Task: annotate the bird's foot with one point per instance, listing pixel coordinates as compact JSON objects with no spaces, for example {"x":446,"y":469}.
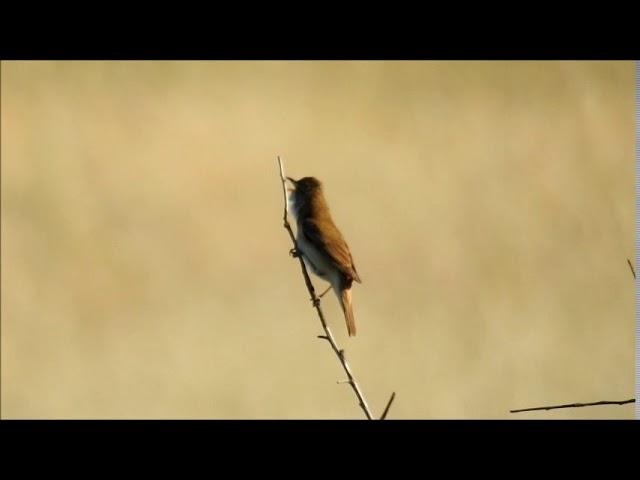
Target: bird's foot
{"x":295,"y":253}
{"x":325,"y":292}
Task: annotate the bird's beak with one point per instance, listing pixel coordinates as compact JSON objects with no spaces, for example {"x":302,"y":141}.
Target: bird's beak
{"x":294,"y":184}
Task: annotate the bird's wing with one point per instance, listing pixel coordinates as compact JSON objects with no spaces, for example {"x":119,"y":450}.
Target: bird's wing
{"x":330,"y":240}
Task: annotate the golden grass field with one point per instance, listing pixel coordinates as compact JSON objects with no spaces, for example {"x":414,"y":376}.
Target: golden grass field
{"x":489,"y":208}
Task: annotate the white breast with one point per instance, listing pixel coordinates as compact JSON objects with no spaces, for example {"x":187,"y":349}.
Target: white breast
{"x":315,"y":261}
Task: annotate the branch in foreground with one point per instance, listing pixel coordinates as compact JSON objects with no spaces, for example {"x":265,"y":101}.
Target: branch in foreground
{"x":576,"y":405}
{"x":386,"y":410}
{"x":328,"y":336}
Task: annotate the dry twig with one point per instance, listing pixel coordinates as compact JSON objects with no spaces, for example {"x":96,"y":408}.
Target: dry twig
{"x":591,"y":404}
{"x":576,"y":405}
{"x":633,"y":272}
{"x":386,"y":410}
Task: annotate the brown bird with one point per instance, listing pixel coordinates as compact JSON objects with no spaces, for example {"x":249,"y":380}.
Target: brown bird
{"x":321,"y":244}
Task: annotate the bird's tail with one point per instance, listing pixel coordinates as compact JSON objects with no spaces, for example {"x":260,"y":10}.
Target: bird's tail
{"x":347,"y":308}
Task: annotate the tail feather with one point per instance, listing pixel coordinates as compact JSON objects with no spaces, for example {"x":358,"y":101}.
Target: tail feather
{"x":347,"y":308}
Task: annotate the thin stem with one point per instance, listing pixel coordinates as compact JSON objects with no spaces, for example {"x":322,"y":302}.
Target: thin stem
{"x":633,"y":272}
{"x":386,"y":410}
{"x":577,"y":405}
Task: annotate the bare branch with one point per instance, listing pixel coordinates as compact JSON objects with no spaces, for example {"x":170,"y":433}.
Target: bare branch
{"x":386,"y":410}
{"x":633,"y":272}
{"x":316,"y":304}
{"x":576,"y":405}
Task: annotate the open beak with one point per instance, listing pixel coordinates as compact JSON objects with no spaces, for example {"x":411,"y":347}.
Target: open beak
{"x":294,"y":184}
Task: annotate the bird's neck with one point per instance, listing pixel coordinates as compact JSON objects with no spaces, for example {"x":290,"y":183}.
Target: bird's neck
{"x":314,"y":206}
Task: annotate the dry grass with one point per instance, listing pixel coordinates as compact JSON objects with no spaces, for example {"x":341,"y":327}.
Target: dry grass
{"x":489,"y":208}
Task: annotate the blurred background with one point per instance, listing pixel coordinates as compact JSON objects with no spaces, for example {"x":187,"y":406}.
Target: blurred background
{"x":489,"y":207}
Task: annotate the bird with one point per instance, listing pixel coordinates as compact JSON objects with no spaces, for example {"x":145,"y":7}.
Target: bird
{"x":321,"y":245}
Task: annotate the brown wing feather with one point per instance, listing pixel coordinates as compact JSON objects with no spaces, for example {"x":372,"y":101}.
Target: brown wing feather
{"x":331,"y":241}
